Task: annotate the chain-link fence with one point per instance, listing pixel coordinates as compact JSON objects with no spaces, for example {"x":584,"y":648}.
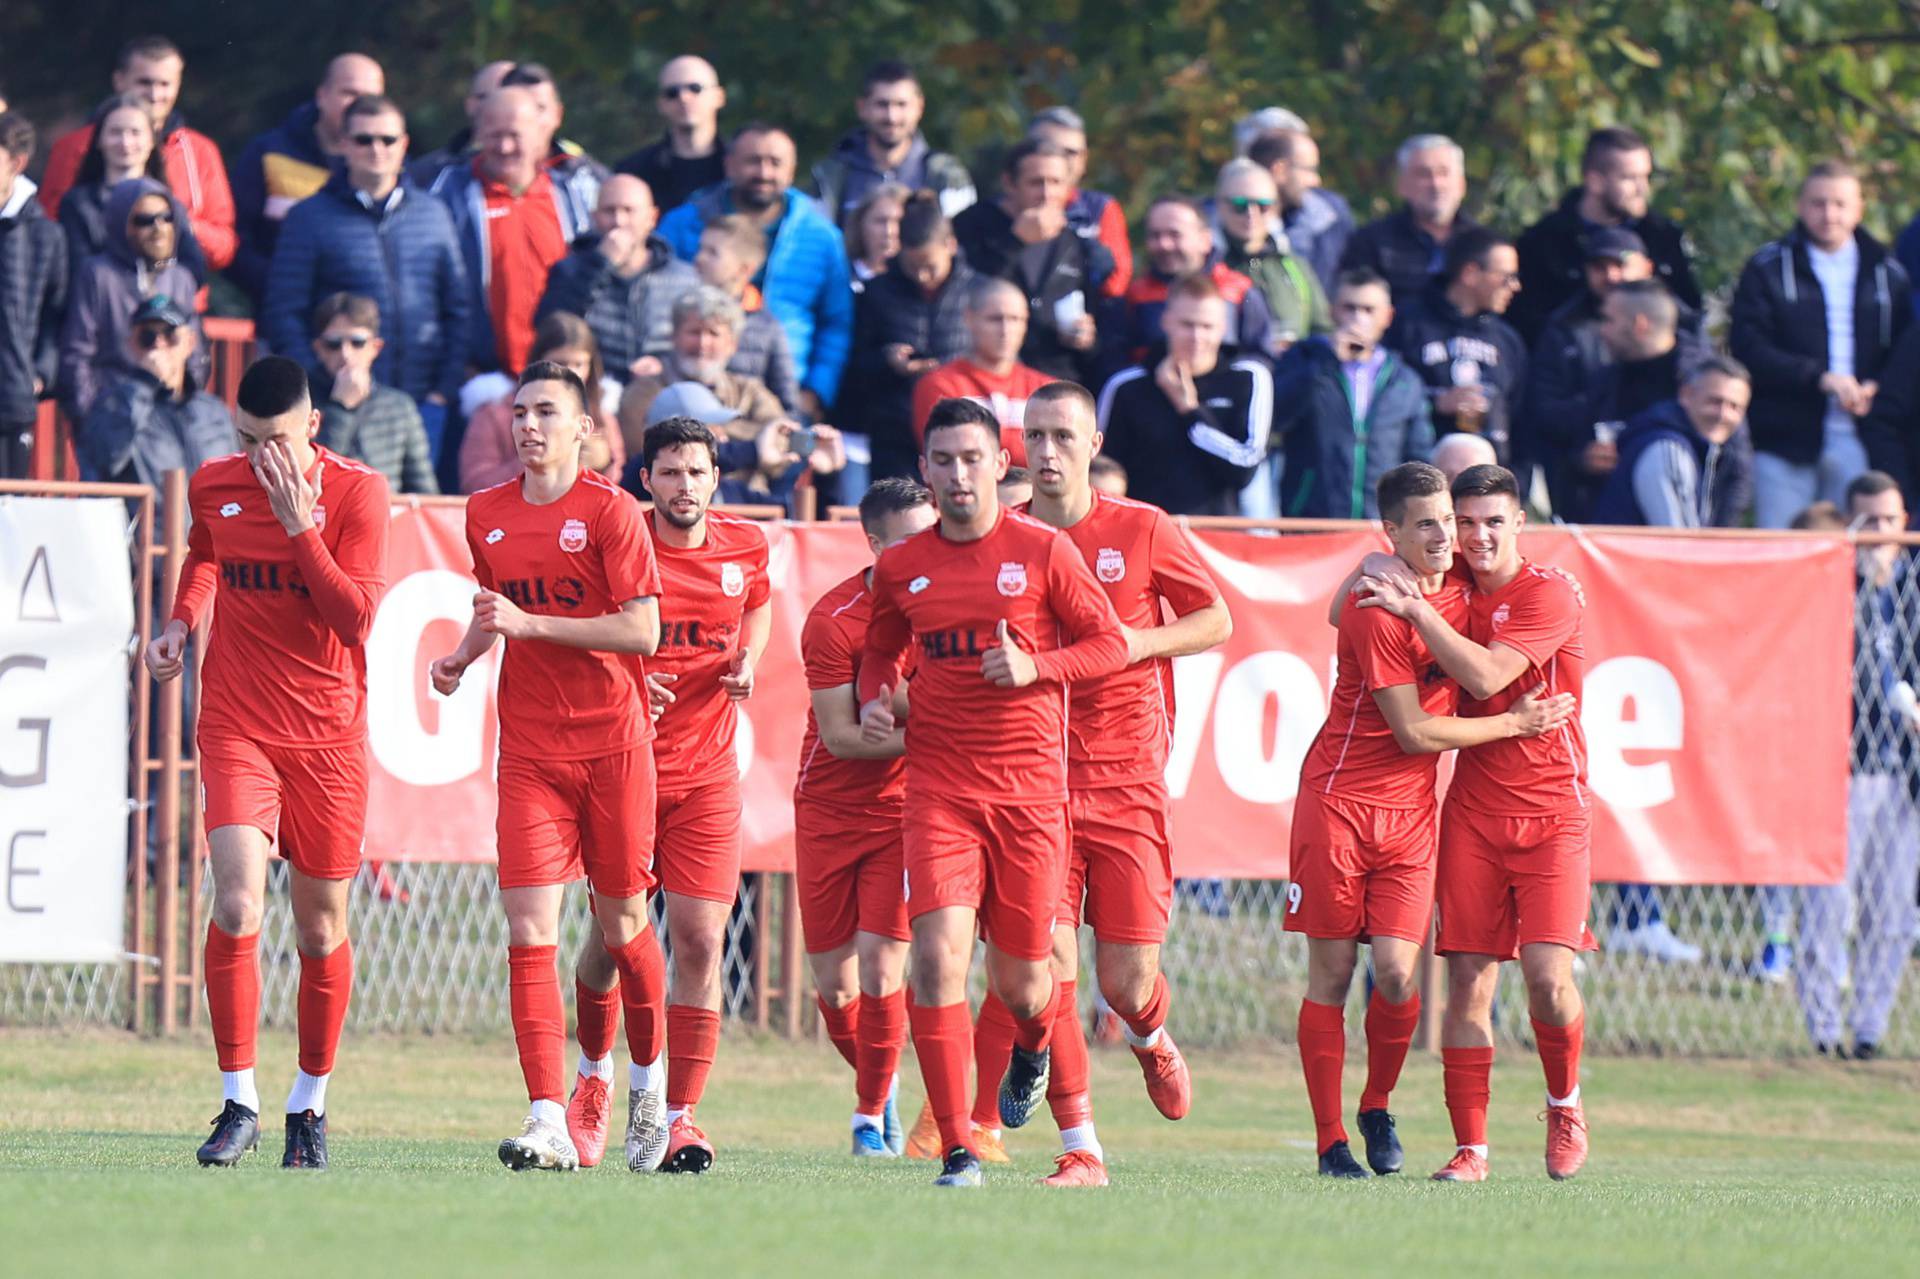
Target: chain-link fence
{"x":430,"y":955}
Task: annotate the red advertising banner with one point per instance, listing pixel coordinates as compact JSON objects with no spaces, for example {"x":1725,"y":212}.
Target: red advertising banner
{"x":1716,"y":717}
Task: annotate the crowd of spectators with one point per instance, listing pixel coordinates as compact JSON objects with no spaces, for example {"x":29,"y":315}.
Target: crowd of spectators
{"x":1264,"y":354}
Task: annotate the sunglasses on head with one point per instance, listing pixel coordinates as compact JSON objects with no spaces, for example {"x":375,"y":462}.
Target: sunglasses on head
{"x":146,"y":221}
{"x":384,"y":139}
{"x":675,"y":90}
{"x":1241,"y":203}
{"x":148,"y":338}
{"x":357,"y":341}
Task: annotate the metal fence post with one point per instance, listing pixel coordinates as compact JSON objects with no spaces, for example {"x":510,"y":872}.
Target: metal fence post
{"x":167,"y":807}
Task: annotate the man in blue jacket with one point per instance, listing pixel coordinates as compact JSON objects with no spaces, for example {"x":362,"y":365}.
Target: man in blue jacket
{"x":291,"y":161}
{"x":1348,"y":409}
{"x":1686,"y":463}
{"x":806,"y":281}
{"x":372,"y":233}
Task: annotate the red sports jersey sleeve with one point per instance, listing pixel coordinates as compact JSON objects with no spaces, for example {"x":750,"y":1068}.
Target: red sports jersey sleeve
{"x":285,"y":665}
{"x":1355,"y":755}
{"x":1538,"y":615}
{"x":582,"y":556}
{"x":706,"y":593}
{"x":830,"y":647}
{"x":1120,"y":726}
{"x":966,"y":737}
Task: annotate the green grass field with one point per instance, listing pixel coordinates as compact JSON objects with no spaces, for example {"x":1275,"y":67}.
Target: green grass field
{"x":1698,"y":1168}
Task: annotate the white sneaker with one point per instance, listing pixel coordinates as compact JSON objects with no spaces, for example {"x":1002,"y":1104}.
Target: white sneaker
{"x":540,"y":1145}
{"x":1654,"y":940}
{"x":647,"y":1127}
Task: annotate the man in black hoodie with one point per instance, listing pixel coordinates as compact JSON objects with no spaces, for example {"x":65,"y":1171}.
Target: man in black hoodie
{"x":1616,"y":174}
{"x":33,"y":293}
{"x":1472,"y":361}
{"x":1684,"y":462}
{"x":1814,"y":317}
{"x":888,"y":147}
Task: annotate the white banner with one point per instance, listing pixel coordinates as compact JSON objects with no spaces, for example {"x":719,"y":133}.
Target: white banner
{"x":66,"y":616}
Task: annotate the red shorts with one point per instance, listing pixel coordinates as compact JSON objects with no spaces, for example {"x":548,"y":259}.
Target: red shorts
{"x":311,"y":801}
{"x":847,"y":864}
{"x":697,"y":833}
{"x":1005,"y":860}
{"x":1360,"y":871}
{"x":1507,"y":882}
{"x":1120,"y":863}
{"x":564,"y":818}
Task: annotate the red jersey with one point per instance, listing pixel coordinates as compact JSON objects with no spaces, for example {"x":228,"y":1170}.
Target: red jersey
{"x":1120,"y":726}
{"x":707,"y":590}
{"x":286,"y":663}
{"x":523,"y":240}
{"x":830,"y":645}
{"x":1006,"y":396}
{"x":582,"y":556}
{"x":1355,"y":755}
{"x":1538,"y":615}
{"x":968,"y":738}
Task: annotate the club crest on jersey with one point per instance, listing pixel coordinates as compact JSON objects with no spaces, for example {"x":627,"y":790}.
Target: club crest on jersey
{"x":1501,"y":614}
{"x":733,"y":579}
{"x":573,"y":535}
{"x":230,"y":509}
{"x":1110,"y":565}
{"x":918,"y":584}
{"x":319,"y":517}
{"x":495,"y":535}
{"x":1012,"y":579}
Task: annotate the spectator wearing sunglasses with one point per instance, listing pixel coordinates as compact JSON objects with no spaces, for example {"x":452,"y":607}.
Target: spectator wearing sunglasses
{"x":372,"y":233}
{"x":359,"y":418}
{"x":140,"y":261}
{"x":1247,"y":203}
{"x":154,"y":417}
{"x":690,"y":156}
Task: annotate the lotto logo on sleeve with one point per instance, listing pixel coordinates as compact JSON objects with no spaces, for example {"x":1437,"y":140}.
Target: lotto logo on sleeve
{"x":573,"y":536}
{"x":1012,"y":579}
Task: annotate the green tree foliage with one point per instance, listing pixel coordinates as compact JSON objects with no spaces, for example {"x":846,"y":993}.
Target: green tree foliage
{"x":1736,"y":96}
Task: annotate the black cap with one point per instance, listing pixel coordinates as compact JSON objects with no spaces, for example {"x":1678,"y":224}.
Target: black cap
{"x":1614,"y":244}
{"x":162,"y":309}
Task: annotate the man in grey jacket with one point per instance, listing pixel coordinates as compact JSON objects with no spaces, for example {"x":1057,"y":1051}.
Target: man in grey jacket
{"x":621,"y":278}
{"x":888,"y":147}
{"x":154,"y":417}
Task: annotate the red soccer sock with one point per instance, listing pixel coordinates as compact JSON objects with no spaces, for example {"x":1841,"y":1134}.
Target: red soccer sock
{"x":1035,"y":1033}
{"x":597,"y":1017}
{"x":993,"y":1037}
{"x":326,"y":987}
{"x":841,"y":1024}
{"x":1323,"y":1052}
{"x":881,"y":1030}
{"x":693,"y":1039}
{"x":940,"y":1040}
{"x":539,"y":1021}
{"x":643,"y":996}
{"x":233,"y":995}
{"x":1389,"y":1034}
{"x":1067,"y":1094}
{"x":1468,"y":1076}
{"x":1150,"y":1018}
{"x":1560,"y":1054}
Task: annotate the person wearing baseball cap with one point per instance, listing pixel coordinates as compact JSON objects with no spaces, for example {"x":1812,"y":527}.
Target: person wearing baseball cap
{"x":152,"y":417}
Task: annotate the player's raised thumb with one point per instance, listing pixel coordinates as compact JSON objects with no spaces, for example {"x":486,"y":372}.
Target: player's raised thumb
{"x":885,"y":696}
{"x":1000,"y":633}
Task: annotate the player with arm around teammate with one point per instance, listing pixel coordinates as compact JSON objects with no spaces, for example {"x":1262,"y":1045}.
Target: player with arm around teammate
{"x":1364,"y":838}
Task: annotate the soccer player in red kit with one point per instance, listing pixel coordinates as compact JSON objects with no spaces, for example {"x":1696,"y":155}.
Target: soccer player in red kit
{"x":1003,"y":613}
{"x":1119,"y":729}
{"x":567,"y":577}
{"x":1515,"y":840}
{"x":848,"y":801}
{"x":715,"y":616}
{"x":1365,"y":820}
{"x":289,"y":548}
